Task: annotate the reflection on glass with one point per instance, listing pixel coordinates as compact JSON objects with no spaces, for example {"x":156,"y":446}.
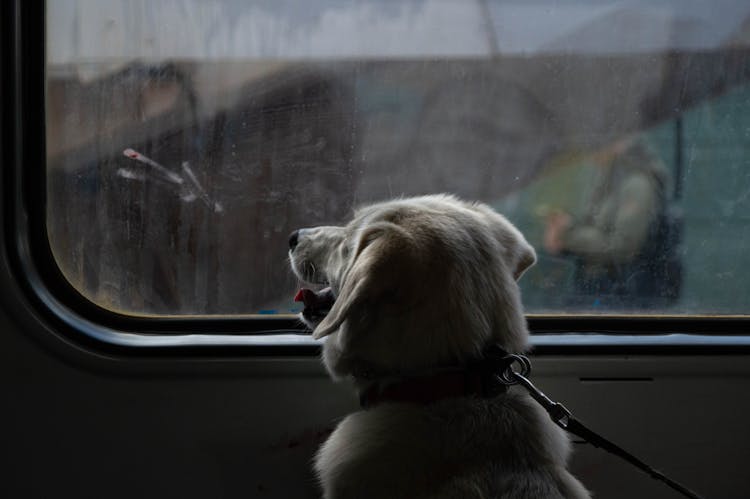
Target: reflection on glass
{"x":186,"y":140}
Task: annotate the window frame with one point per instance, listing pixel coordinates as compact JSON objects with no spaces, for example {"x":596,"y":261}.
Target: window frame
{"x":95,"y":328}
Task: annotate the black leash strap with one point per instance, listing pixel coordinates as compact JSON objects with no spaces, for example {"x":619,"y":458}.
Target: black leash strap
{"x":565,"y":420}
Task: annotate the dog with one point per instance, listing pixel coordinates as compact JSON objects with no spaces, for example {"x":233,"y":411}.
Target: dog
{"x":414,"y":292}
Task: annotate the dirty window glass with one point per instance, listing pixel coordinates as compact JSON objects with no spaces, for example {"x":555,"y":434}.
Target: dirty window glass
{"x":186,"y":140}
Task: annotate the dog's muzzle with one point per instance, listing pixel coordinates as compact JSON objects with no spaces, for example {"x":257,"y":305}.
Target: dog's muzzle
{"x":317,"y":303}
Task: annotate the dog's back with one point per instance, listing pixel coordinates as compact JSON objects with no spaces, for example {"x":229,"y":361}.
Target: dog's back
{"x":503,"y":447}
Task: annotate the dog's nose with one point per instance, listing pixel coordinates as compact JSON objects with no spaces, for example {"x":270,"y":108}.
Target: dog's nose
{"x":293,"y":239}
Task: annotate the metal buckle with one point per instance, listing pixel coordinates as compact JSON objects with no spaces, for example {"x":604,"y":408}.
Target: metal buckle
{"x":557,"y":412}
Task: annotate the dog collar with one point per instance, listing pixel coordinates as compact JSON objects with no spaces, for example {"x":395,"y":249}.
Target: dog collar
{"x":478,"y":378}
{"x":426,"y":390}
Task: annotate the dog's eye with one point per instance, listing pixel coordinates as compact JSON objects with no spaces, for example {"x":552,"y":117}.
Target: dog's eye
{"x":344,"y":249}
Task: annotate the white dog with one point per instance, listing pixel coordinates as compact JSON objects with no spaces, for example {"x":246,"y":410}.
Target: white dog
{"x":418,"y":290}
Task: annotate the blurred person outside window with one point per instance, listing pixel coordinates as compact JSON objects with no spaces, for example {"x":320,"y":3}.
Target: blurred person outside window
{"x":624,"y":245}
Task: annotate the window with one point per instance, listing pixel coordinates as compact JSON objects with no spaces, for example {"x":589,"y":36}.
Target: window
{"x":186,"y":140}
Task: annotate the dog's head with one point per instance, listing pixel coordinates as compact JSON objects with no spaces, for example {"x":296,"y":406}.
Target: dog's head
{"x":417,"y":283}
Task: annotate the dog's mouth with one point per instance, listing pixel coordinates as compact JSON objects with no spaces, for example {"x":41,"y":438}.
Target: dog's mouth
{"x":317,"y":303}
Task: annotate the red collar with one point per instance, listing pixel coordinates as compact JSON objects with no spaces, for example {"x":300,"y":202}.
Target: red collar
{"x":431,"y":388}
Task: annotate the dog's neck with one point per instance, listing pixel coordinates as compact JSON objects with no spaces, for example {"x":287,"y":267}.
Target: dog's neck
{"x":477,"y":379}
{"x":428,"y":389}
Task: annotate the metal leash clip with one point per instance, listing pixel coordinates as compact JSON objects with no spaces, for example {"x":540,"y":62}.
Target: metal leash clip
{"x":558,"y":412}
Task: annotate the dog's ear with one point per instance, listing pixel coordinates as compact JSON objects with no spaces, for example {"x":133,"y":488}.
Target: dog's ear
{"x":526,"y":257}
{"x":518,"y":254}
{"x":381,"y":254}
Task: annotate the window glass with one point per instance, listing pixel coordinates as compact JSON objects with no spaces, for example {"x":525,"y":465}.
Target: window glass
{"x":187,"y":139}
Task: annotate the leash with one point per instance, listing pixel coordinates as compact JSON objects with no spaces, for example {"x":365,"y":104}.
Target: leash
{"x":563,"y":418}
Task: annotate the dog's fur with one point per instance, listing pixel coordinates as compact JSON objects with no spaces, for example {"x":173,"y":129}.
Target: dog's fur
{"x":421,"y":283}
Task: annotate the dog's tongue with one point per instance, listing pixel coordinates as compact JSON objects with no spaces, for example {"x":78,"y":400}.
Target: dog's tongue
{"x":316,"y":303}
